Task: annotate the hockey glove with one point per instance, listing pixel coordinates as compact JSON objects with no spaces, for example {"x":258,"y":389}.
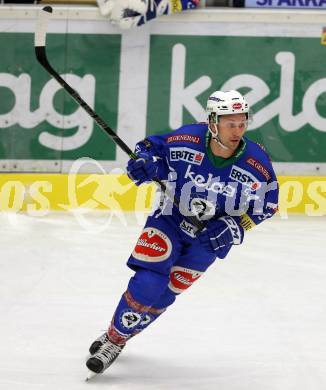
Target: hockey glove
{"x":143,"y":169}
{"x":131,"y":13}
{"x":220,"y":234}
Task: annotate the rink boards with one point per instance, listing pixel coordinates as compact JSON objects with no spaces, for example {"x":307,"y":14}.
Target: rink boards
{"x":38,"y":194}
{"x":148,"y":81}
{"x":156,"y":78}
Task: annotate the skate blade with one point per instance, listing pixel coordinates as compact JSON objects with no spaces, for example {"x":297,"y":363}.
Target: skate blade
{"x":90,"y":375}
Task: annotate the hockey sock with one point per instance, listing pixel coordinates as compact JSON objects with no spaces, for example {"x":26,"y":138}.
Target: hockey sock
{"x":130,"y":318}
{"x":135,"y":310}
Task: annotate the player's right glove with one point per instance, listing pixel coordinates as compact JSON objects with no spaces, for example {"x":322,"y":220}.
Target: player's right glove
{"x":131,"y":13}
{"x":142,"y":170}
{"x":220,"y":234}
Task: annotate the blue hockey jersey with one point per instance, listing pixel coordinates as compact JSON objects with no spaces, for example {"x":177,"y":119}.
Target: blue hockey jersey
{"x":243,"y":186}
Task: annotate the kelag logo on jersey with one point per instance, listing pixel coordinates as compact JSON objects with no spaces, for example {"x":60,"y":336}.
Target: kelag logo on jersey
{"x":210,"y":183}
{"x":186,"y":154}
{"x":244,"y":177}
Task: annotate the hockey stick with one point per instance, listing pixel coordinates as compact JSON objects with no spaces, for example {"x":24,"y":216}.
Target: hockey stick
{"x":40,"y":43}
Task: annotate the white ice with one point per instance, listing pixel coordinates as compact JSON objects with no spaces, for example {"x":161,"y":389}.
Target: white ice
{"x":256,"y":321}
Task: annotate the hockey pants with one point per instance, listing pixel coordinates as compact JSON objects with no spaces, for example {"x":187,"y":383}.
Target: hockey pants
{"x":166,"y":263}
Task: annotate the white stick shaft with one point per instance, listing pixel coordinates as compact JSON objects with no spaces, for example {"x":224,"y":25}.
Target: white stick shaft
{"x":41,"y":26}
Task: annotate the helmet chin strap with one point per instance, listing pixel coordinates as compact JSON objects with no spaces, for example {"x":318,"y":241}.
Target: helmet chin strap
{"x":217,"y":139}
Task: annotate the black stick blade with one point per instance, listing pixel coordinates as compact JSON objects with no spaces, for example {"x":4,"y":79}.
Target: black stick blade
{"x":47,"y":9}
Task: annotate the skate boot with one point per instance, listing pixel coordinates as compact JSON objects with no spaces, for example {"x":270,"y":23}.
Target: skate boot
{"x":104,"y":357}
{"x":98,"y":343}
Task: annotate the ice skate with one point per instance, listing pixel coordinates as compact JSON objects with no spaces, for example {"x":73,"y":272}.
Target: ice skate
{"x":98,"y":343}
{"x":104,"y":357}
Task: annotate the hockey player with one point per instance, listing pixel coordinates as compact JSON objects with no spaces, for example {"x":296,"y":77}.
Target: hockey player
{"x":220,"y":176}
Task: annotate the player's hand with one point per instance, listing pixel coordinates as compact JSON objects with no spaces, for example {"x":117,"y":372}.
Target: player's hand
{"x":221,"y":234}
{"x":143,"y":169}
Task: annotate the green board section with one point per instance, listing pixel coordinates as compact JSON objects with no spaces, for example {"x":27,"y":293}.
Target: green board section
{"x":292,"y":115}
{"x":36,"y":115}
{"x":283,"y":78}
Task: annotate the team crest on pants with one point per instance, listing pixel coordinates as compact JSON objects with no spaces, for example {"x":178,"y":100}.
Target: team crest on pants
{"x":181,"y":278}
{"x":152,"y":246}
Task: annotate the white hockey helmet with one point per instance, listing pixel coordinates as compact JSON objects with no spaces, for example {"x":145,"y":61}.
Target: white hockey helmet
{"x":225,"y":103}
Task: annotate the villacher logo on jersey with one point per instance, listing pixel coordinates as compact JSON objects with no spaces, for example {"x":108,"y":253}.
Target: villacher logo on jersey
{"x":152,"y":246}
{"x":186,"y":154}
{"x":181,"y":278}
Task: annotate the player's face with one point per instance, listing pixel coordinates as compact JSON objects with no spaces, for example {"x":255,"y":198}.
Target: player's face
{"x":231,"y":129}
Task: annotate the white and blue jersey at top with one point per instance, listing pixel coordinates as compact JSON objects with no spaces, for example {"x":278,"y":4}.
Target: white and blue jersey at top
{"x":243,"y":186}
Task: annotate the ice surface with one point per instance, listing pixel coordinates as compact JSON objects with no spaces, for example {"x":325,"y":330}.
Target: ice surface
{"x":256,"y":321}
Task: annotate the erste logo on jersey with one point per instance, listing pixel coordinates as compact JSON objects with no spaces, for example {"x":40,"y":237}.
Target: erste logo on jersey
{"x":244,"y":177}
{"x":186,"y":154}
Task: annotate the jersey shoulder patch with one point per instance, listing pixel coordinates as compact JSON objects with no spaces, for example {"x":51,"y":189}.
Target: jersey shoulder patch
{"x":189,"y":134}
{"x":257,"y":158}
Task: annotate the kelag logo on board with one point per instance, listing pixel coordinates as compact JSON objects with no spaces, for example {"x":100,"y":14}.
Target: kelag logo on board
{"x":38,"y":121}
{"x":286,"y":92}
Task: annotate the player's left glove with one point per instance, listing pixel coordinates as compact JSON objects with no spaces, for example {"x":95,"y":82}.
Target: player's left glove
{"x":143,"y":169}
{"x":220,"y":234}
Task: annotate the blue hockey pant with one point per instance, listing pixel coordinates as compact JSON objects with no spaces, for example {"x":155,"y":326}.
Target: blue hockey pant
{"x":166,"y":263}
